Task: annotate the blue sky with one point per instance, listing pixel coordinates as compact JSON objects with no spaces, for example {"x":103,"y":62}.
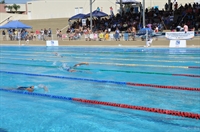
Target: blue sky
{"x":16,"y":1}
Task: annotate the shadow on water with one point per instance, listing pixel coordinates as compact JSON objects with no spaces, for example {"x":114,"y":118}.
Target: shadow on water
{"x":3,"y":130}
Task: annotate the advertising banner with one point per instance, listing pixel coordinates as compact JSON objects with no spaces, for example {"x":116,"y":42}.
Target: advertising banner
{"x":179,"y":35}
{"x":52,"y":43}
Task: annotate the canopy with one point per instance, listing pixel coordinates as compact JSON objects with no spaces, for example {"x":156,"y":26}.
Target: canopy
{"x":15,"y":25}
{"x":97,"y":14}
{"x":128,"y":1}
{"x":144,"y":30}
{"x":78,"y":16}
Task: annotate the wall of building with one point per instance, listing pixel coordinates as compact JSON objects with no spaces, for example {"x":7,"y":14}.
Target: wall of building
{"x":2,"y":9}
{"x":55,"y":9}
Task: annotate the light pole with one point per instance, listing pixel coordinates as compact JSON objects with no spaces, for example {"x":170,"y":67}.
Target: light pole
{"x":143,"y":13}
{"x":121,"y":7}
{"x":91,"y":2}
{"x":91,"y":15}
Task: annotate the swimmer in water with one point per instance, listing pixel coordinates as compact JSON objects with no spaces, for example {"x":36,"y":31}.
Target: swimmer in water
{"x":32,"y":88}
{"x":72,"y":69}
{"x":56,"y":54}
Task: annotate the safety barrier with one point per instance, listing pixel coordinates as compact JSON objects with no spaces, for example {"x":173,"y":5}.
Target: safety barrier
{"x":107,"y":81}
{"x":142,"y":108}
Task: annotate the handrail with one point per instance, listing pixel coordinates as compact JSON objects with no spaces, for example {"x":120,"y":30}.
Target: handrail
{"x":64,"y":27}
{"x":5,"y":20}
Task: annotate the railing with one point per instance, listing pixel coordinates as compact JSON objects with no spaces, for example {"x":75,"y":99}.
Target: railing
{"x":7,"y":19}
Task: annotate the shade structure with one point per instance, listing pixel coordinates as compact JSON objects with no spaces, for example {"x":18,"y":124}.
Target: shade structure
{"x":128,"y":1}
{"x":77,"y":16}
{"x":97,"y":14}
{"x":15,"y":25}
{"x":144,"y":30}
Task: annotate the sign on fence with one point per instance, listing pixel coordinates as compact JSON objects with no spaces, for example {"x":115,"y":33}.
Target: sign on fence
{"x":52,"y":43}
{"x":178,"y":39}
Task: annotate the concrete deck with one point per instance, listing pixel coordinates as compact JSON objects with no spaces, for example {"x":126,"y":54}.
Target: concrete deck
{"x":161,"y":42}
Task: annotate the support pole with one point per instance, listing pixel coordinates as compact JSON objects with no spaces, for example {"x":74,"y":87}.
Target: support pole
{"x":121,"y":7}
{"x":91,"y":15}
{"x":143,"y":13}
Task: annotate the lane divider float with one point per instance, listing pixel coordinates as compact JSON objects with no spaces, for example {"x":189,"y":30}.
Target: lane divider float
{"x":107,"y":81}
{"x":134,"y":65}
{"x":127,"y":106}
{"x":116,"y":59}
{"x":187,"y":75}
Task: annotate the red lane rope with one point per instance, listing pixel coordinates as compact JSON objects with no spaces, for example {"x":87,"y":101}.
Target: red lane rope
{"x":163,"y":86}
{"x":155,"y":110}
{"x":193,"y":67}
{"x":188,"y":75}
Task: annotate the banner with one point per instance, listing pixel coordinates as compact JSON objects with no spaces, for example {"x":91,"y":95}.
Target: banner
{"x":83,"y":22}
{"x":52,"y":43}
{"x":177,"y":43}
{"x":179,"y":35}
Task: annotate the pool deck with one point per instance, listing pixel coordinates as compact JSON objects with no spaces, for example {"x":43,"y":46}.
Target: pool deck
{"x":161,"y":42}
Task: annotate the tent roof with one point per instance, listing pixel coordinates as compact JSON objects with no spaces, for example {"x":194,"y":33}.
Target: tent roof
{"x":77,"y":16}
{"x":128,"y":2}
{"x":15,"y":25}
{"x":97,"y":14}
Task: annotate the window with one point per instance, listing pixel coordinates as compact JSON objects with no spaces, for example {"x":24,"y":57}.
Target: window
{"x":80,"y":9}
{"x":76,"y":10}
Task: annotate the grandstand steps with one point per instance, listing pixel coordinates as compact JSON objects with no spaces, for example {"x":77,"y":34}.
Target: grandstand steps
{"x":47,"y":23}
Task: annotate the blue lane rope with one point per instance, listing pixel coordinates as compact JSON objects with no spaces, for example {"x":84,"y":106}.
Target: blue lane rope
{"x":62,"y":77}
{"x":114,"y":82}
{"x":36,"y":94}
{"x":147,"y":109}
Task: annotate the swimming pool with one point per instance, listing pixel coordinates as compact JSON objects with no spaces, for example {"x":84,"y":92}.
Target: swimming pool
{"x":149,"y":77}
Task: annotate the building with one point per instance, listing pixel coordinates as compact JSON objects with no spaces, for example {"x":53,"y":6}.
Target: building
{"x":46,"y":9}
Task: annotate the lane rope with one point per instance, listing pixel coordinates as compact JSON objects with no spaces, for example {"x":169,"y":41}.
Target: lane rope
{"x":110,"y":52}
{"x":127,"y":106}
{"x":119,"y":56}
{"x":107,"y":81}
{"x":187,"y":75}
{"x":117,"y":59}
{"x":134,"y":65}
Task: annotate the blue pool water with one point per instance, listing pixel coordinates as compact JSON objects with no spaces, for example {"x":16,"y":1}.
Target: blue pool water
{"x":28,"y":113}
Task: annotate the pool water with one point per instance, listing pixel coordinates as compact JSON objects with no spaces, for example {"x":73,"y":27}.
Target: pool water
{"x":32,"y":65}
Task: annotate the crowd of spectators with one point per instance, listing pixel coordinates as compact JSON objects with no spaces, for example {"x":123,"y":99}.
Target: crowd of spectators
{"x":169,"y":18}
{"x":125,"y":24}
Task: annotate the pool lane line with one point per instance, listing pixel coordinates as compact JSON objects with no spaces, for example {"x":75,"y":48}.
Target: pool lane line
{"x":105,"y":52}
{"x":107,"y":81}
{"x":81,"y":54}
{"x":117,"y":59}
{"x":134,"y":65}
{"x":87,"y":69}
{"x":111,"y":104}
{"x":157,"y":73}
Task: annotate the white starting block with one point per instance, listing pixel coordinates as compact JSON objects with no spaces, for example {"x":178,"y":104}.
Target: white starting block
{"x":178,"y":39}
{"x":52,"y":43}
